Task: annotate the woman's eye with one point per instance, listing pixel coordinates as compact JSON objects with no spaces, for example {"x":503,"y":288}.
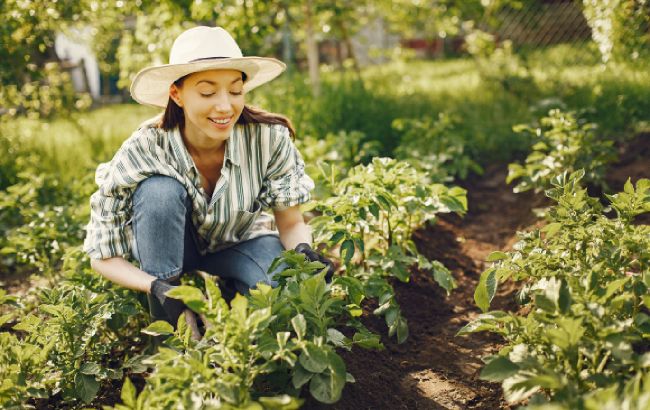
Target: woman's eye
{"x":234,"y":93}
{"x":207,"y":95}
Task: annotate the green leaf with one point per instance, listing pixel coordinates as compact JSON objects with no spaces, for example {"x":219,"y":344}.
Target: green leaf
{"x":499,"y":369}
{"x":337,"y":237}
{"x":283,"y":402}
{"x":551,"y":229}
{"x":299,"y":325}
{"x":443,"y":277}
{"x":387,"y":201}
{"x":300,"y":376}
{"x":497,"y":256}
{"x":486,"y":289}
{"x":564,"y":299}
{"x":239,"y":308}
{"x":367,"y":340}
{"x":192,"y":297}
{"x":213,"y":291}
{"x":86,"y":387}
{"x":158,"y":328}
{"x":313,"y":358}
{"x":29,"y":324}
{"x":128,"y":394}
{"x":544,"y":303}
{"x":90,"y":368}
{"x":374,"y":210}
{"x":5,"y":318}
{"x":337,"y":338}
{"x":646,"y":301}
{"x":347,"y":250}
{"x":484,"y":322}
{"x":327,"y":387}
{"x":612,"y":288}
{"x":402,"y":329}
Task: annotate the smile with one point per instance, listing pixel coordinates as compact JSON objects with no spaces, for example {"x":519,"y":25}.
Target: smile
{"x":220,"y":121}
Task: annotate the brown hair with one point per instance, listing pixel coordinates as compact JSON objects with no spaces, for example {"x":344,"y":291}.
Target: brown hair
{"x":173,"y":116}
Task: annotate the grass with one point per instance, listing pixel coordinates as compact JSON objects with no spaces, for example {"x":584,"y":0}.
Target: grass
{"x":67,"y":147}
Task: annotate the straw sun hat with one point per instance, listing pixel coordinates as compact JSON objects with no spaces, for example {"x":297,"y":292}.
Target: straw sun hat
{"x":199,"y":49}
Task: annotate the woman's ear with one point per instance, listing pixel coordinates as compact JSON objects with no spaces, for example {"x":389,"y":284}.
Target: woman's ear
{"x":174,"y":94}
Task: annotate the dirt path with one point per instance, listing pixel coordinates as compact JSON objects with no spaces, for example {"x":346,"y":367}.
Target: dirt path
{"x":435,"y":369}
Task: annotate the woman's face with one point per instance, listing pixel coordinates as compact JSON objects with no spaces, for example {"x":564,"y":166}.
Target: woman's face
{"x":212,"y":102}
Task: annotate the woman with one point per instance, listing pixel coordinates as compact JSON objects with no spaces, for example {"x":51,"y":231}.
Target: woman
{"x":187,"y":191}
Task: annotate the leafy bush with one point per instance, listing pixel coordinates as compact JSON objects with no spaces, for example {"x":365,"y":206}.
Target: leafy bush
{"x":372,"y":213}
{"x":80,"y":335}
{"x":563,"y":143}
{"x":274,"y":341}
{"x":435,"y":147}
{"x":40,"y":219}
{"x":585,"y":326}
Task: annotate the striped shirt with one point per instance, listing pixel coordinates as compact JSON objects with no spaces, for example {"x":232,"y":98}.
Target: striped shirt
{"x":262,"y":169}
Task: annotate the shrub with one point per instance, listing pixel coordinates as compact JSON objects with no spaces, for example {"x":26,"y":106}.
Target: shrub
{"x":586,"y":325}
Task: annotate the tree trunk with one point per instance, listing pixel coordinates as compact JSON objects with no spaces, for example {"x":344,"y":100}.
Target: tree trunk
{"x":287,"y":51}
{"x":312,"y":50}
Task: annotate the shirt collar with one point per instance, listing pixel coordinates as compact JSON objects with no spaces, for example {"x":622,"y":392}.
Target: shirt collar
{"x":185,"y":160}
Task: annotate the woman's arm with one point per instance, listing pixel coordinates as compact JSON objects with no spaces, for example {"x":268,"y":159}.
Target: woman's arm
{"x":120,"y":271}
{"x":292,"y":227}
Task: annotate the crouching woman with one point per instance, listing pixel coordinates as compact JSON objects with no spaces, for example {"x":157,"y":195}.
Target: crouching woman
{"x":188,"y":190}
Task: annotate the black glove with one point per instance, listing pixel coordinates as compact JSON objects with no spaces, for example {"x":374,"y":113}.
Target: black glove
{"x":314,"y":256}
{"x":173,"y":307}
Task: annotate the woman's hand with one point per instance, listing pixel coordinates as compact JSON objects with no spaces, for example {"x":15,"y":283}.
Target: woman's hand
{"x":295,"y":234}
{"x":314,"y":256}
{"x":173,"y":307}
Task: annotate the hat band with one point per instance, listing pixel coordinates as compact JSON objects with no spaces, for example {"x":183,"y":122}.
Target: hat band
{"x":206,"y":58}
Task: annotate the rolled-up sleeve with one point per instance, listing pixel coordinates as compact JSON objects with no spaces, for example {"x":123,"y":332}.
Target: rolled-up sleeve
{"x":285,"y":184}
{"x":109,"y":234}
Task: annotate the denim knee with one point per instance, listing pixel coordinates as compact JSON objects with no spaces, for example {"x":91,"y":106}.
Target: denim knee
{"x":161,"y":207}
{"x":161,"y":196}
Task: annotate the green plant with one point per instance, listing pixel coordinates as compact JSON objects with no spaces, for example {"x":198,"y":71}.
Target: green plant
{"x":40,"y":219}
{"x":69,"y":344}
{"x":585,"y":278}
{"x":563,"y":143}
{"x":435,"y":147}
{"x":274,"y":341}
{"x":372,"y":213}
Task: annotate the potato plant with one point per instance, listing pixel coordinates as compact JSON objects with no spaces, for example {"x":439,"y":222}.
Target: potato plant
{"x":586,"y":328}
{"x":259,"y":351}
{"x":39,"y":220}
{"x":67,"y":345}
{"x":435,"y":147}
{"x":562,"y":143}
{"x":371,"y":216}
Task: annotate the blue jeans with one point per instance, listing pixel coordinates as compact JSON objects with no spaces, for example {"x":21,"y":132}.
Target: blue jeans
{"x":165,"y":240}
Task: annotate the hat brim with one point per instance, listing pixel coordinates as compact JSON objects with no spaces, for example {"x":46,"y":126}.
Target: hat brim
{"x":151,"y":85}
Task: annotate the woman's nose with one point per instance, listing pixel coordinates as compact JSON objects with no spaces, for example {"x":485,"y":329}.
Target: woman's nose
{"x":222,"y":101}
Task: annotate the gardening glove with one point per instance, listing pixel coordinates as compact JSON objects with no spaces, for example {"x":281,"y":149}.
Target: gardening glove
{"x":314,"y":256}
{"x":172,"y":307}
